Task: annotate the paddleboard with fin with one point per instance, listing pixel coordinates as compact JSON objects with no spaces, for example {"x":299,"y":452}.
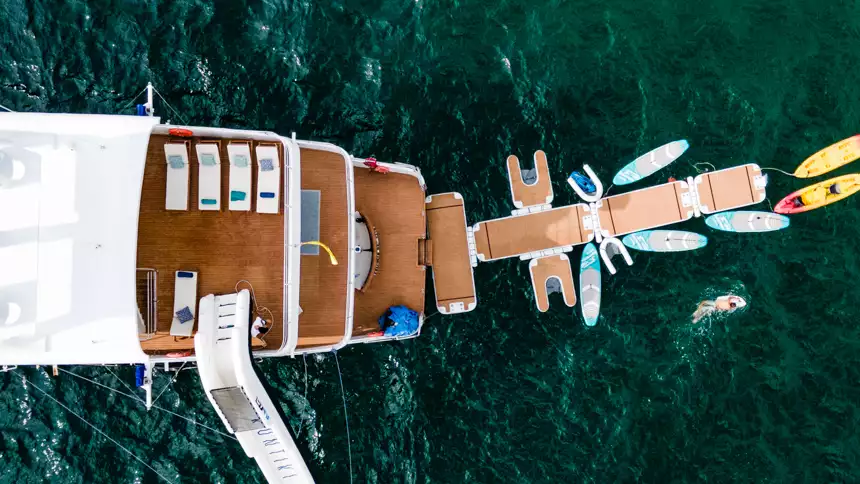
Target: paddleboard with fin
{"x":589,"y":284}
{"x":830,"y":158}
{"x":747,"y":221}
{"x":650,"y":162}
{"x":664,"y":240}
{"x":819,"y":195}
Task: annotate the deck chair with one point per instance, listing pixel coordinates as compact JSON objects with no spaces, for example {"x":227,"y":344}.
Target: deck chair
{"x":184,"y":303}
{"x":208,"y":176}
{"x":268,"y":179}
{"x":240,"y":176}
{"x":176,"y":156}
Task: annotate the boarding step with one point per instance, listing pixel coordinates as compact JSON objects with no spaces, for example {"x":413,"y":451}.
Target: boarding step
{"x":452,"y":252}
{"x":549,"y":275}
{"x":530,"y":187}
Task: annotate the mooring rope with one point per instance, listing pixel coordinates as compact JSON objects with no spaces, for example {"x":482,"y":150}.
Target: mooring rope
{"x":27,"y":382}
{"x":345,"y":417}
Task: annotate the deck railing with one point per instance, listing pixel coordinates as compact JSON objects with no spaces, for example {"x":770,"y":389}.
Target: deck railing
{"x":147,"y":300}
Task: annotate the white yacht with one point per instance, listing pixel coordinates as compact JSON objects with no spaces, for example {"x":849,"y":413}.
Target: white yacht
{"x":127,"y":241}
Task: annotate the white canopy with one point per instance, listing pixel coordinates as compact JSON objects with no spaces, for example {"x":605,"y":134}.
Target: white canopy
{"x":69,"y":199}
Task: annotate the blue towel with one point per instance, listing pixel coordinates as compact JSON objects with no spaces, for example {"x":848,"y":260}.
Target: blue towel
{"x":184,"y":315}
{"x":267,"y":195}
{"x":266,"y":164}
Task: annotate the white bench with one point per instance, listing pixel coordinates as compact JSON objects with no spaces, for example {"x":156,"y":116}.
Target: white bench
{"x":268,"y":179}
{"x":184,"y":297}
{"x":176,"y":157}
{"x":240,"y":176}
{"x":209,"y":176}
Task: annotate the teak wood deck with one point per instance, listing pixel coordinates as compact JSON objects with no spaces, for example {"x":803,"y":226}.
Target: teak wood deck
{"x":537,"y":193}
{"x":394,"y":203}
{"x":545,"y":268}
{"x":453,"y":280}
{"x":512,"y":236}
{"x":222,"y":246}
{"x":323,"y":286}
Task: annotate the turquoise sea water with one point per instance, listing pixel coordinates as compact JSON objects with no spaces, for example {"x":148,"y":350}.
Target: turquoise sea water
{"x":503,"y":394}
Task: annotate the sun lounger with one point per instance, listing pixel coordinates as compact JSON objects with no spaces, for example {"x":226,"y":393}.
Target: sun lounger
{"x":240,"y":176}
{"x":268,"y":179}
{"x":209,"y":176}
{"x":176,"y":156}
{"x":184,"y":303}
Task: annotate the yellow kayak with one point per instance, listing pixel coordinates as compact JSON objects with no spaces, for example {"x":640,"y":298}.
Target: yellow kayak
{"x":819,"y":195}
{"x":830,"y":158}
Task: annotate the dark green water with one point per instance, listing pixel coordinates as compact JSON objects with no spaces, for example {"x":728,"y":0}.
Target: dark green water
{"x":503,"y":394}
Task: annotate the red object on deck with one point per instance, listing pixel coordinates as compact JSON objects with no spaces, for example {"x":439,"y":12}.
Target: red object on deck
{"x":672,"y":179}
{"x":181,"y":132}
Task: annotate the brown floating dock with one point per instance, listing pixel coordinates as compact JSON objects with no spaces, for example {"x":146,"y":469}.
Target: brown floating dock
{"x":453,"y":280}
{"x":549,"y":229}
{"x":553,"y":268}
{"x":643,"y":209}
{"x":542,"y":232}
{"x":538,"y":192}
{"x":730,"y":188}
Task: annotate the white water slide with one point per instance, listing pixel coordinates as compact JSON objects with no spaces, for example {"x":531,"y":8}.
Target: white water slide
{"x":224,"y":363}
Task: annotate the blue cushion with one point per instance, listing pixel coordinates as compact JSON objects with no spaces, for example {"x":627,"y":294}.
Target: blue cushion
{"x":240,"y":161}
{"x":267,"y":195}
{"x":267,"y":165}
{"x":184,"y":315}
{"x":176,"y":161}
{"x":207,"y":159}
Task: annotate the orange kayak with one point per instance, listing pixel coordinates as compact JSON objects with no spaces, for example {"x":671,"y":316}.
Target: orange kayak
{"x":819,"y":195}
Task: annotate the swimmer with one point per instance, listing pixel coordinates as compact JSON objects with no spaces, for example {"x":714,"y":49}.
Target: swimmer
{"x":728,"y":303}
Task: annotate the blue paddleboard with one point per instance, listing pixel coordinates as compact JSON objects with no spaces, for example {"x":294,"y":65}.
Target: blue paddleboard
{"x":589,"y":284}
{"x":650,"y":162}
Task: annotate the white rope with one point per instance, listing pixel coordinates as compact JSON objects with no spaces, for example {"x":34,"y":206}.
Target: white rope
{"x":133,"y":99}
{"x":133,"y":397}
{"x":7,"y":109}
{"x":345,"y":416}
{"x":121,"y":382}
{"x":783,"y":172}
{"x":696,"y":166}
{"x":171,"y":107}
{"x":97,"y":430}
{"x":192,"y":421}
{"x":166,"y":386}
{"x":305,"y":359}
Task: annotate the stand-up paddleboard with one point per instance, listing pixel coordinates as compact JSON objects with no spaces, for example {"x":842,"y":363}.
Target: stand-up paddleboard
{"x":747,"y":221}
{"x":589,"y":284}
{"x":830,"y":158}
{"x":650,"y":162}
{"x":819,"y":195}
{"x":665,"y":240}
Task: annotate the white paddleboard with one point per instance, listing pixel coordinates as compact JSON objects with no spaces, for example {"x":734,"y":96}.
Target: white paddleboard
{"x":650,"y":162}
{"x":664,"y":240}
{"x":747,"y":221}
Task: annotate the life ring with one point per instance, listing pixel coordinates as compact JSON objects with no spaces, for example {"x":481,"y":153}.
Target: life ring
{"x":181,"y":132}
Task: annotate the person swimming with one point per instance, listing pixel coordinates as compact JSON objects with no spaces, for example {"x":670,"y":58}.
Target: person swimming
{"x":728,"y":303}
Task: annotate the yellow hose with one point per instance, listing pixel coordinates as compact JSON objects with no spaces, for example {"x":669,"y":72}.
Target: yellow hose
{"x":320,"y":244}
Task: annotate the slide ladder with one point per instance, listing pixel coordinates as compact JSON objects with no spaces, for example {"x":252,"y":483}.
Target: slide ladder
{"x":232,"y":386}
